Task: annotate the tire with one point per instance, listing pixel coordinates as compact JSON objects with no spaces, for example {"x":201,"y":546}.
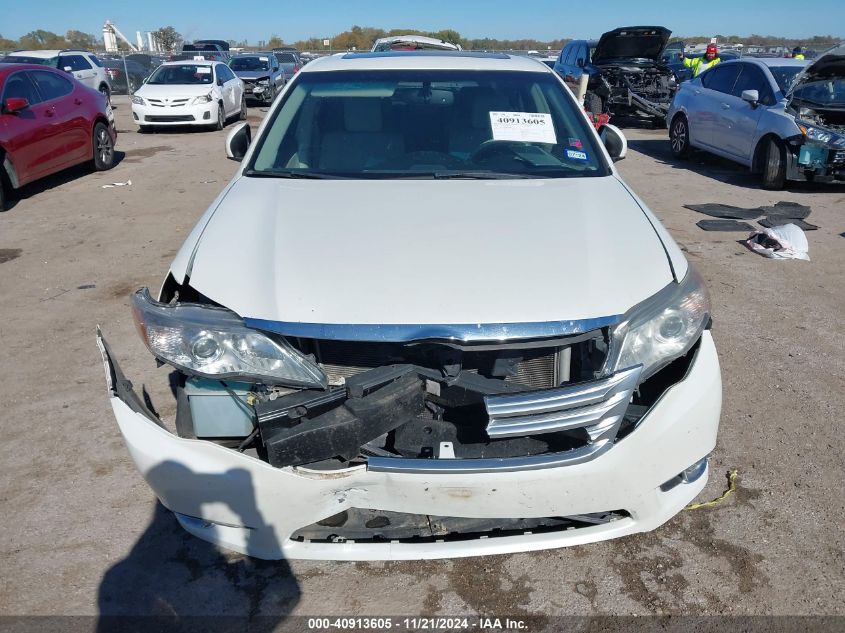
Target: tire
{"x":145,"y":129}
{"x":592,"y":103}
{"x":679,"y":137}
{"x":774,"y":165}
{"x":243,"y":114}
{"x":2,"y":195}
{"x":104,"y":89}
{"x":221,"y":118}
{"x":103,"y":148}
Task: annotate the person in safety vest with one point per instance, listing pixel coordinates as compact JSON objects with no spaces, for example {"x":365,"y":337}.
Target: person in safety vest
{"x":700,"y":64}
{"x":797,"y":53}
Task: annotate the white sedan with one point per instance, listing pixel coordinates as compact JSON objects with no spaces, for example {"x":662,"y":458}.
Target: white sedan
{"x":189,"y":93}
{"x":427,"y":318}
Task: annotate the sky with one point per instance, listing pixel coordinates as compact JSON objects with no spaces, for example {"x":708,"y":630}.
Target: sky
{"x":539,"y":19}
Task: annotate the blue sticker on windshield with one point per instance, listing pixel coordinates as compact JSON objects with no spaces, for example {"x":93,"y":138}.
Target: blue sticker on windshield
{"x":574,"y":155}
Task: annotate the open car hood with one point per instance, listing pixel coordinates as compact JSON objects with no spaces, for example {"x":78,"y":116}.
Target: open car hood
{"x":828,"y":65}
{"x":632,"y":42}
{"x":413,"y":42}
{"x":428,"y":252}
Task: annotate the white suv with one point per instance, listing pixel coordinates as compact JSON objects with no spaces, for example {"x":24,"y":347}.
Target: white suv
{"x":84,"y":66}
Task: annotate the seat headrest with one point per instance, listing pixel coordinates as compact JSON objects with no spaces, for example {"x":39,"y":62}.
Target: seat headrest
{"x":362,"y":114}
{"x":483,"y":102}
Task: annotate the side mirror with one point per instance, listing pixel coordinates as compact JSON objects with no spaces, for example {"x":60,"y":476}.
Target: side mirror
{"x":220,"y":82}
{"x":13,"y":105}
{"x":751,"y":96}
{"x":614,"y":141}
{"x":237,"y":141}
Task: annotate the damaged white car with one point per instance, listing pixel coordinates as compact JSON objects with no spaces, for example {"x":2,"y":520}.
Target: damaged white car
{"x":425,"y":319}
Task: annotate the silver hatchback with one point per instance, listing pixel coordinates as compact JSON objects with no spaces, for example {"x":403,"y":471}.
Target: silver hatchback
{"x":779,"y":117}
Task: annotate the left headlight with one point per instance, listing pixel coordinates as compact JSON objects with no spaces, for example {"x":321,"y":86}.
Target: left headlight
{"x":202,"y":99}
{"x":264,"y":81}
{"x":214,"y":342}
{"x":663,"y":327}
{"x":137,"y":100}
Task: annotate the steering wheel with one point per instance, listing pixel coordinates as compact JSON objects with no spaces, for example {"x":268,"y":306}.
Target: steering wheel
{"x":490,"y":146}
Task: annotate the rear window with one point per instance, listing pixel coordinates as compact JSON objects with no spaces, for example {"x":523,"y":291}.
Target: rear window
{"x":53,"y":62}
{"x":286,"y":58}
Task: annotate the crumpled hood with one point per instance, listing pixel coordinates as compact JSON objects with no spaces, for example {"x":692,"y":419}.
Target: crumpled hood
{"x":173,"y":91}
{"x":632,"y":42}
{"x":828,"y":65}
{"x":428,"y":251}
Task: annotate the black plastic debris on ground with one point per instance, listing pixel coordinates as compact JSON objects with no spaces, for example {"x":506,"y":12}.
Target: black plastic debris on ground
{"x":724,"y":225}
{"x":725,"y":211}
{"x":770,"y":221}
{"x":791,"y":210}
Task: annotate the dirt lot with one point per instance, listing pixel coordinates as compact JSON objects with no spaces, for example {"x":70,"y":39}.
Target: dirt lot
{"x":81,"y":533}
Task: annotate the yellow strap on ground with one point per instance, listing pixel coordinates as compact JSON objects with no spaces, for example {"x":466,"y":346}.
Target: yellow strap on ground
{"x":732,"y":475}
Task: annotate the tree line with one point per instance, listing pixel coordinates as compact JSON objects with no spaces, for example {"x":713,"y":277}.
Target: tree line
{"x":362,"y":38}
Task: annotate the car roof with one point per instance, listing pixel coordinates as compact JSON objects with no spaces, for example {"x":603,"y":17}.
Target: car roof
{"x":192,"y":61}
{"x":424,"y":60}
{"x":769,"y":62}
{"x":6,"y":68}
{"x":46,"y":54}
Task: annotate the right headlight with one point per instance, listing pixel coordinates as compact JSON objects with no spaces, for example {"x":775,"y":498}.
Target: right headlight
{"x":137,"y":100}
{"x":213,"y":342}
{"x":662,"y":328}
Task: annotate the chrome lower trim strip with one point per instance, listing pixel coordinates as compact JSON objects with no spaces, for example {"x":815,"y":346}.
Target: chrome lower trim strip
{"x":460,"y":332}
{"x":497,"y":465}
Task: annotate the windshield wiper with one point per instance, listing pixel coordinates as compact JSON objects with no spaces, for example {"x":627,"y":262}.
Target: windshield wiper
{"x":478,"y":175}
{"x":308,"y":175}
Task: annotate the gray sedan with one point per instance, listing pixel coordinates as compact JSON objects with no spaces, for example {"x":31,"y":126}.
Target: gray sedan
{"x":262,"y":75}
{"x":779,"y":117}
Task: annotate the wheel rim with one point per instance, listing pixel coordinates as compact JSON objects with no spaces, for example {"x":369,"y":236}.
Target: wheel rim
{"x":679,"y":140}
{"x":105,"y":150}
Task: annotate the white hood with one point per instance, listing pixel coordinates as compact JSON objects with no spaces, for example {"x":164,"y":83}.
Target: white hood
{"x":173,"y":91}
{"x":428,"y":251}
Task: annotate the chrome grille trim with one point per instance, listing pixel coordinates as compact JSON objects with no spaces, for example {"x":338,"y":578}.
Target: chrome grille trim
{"x":597,"y":407}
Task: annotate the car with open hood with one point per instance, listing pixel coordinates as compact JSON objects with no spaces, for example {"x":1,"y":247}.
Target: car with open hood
{"x":625,"y":71}
{"x":425,"y":319}
{"x":782,"y":118}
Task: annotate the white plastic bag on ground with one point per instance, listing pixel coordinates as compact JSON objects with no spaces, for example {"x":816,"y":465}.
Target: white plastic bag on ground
{"x":786,"y":241}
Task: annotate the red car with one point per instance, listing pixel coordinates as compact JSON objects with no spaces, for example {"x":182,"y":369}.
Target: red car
{"x":49,"y":122}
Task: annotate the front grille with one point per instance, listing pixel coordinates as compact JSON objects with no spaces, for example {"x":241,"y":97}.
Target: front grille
{"x":173,"y":103}
{"x":838,"y":157}
{"x":533,"y":368}
{"x":182,"y":118}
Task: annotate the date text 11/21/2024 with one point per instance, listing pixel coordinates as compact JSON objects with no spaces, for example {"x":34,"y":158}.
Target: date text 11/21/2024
{"x":417,"y":624}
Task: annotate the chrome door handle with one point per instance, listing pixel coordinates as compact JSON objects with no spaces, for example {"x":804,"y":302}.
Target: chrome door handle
{"x":698,"y":92}
{"x":725,"y":106}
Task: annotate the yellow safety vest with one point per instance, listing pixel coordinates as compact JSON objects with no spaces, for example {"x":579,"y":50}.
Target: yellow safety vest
{"x":798,"y":56}
{"x":699,"y":64}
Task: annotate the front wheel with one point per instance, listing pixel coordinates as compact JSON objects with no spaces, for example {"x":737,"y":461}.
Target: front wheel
{"x":104,"y":90}
{"x":221,"y":118}
{"x":679,"y":137}
{"x":103,"y":148}
{"x":774,"y":167}
{"x":243,"y":113}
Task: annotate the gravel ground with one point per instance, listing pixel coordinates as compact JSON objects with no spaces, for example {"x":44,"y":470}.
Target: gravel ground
{"x":81,"y":533}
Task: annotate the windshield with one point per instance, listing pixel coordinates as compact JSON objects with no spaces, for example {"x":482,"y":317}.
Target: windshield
{"x":784,"y":75}
{"x":182,"y":74}
{"x":428,"y":124}
{"x":23,"y":59}
{"x":823,"y":93}
{"x":250,"y":63}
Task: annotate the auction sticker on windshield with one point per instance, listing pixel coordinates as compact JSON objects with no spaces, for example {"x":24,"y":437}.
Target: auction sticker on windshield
{"x":203,"y":70}
{"x":531,"y":127}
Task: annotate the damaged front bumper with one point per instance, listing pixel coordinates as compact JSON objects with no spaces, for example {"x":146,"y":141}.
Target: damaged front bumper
{"x":391,"y":508}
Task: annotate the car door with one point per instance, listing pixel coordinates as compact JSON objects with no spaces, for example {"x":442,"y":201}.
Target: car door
{"x":704,"y":109}
{"x":278,"y":75}
{"x":68,"y":120}
{"x":27,"y":134}
{"x":232,"y":89}
{"x":559,"y":64}
{"x":80,"y":68}
{"x":743,"y":117}
{"x":576,"y":70}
